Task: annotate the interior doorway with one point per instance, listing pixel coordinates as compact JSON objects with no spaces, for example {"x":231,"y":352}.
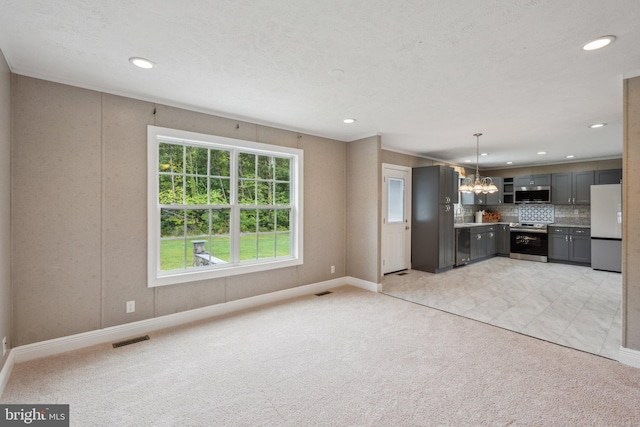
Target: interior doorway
{"x":396,"y":218}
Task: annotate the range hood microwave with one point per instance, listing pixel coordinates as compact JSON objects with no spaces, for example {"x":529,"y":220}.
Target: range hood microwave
{"x":540,"y":194}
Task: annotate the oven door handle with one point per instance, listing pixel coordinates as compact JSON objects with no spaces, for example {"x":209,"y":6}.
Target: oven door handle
{"x":516,"y":230}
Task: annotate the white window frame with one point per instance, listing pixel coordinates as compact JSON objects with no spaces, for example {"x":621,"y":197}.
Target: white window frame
{"x":155,"y":277}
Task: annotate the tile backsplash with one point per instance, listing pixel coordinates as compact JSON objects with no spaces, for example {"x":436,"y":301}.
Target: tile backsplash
{"x":558,"y":214}
{"x":536,"y":213}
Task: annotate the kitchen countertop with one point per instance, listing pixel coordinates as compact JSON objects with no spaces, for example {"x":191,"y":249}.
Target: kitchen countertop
{"x":480,"y":224}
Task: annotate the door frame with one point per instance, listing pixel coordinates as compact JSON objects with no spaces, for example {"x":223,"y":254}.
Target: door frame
{"x":383,"y":211}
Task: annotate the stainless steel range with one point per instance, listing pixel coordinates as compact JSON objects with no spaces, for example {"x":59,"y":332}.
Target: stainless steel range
{"x":529,"y":242}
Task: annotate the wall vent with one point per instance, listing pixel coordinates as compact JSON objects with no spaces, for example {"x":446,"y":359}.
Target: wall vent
{"x":130,"y":341}
{"x":323,"y":293}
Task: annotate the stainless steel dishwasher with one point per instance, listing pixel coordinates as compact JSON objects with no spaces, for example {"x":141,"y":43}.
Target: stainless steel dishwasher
{"x":462,"y":245}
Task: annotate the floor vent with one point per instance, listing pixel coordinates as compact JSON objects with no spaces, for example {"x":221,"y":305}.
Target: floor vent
{"x":324,"y":293}
{"x":131,"y":341}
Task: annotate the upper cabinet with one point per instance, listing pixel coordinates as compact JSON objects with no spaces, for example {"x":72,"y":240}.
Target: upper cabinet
{"x":447,"y":185}
{"x":608,"y":176}
{"x":533,"y":180}
{"x":571,"y":188}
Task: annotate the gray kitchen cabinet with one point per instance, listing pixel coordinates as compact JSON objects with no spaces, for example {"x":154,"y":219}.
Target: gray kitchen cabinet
{"x":533,"y":180}
{"x":432,"y":234}
{"x":502,"y":239}
{"x":507,"y":191}
{"x":491,"y":240}
{"x":558,"y":246}
{"x":571,"y":188}
{"x":470,"y":199}
{"x":580,"y":245}
{"x":495,"y":198}
{"x":608,"y":176}
{"x":570,"y":244}
{"x":478,"y":243}
{"x":483,"y":241}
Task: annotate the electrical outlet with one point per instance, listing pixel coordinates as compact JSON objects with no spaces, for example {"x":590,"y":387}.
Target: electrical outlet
{"x":333,"y":269}
{"x":131,"y":306}
{"x":4,"y":346}
{"x":575,"y":211}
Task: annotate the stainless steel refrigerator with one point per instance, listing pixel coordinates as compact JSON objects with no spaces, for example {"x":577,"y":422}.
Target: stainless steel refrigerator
{"x":606,"y":227}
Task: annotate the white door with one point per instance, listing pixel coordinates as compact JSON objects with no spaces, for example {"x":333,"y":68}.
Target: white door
{"x":396,"y":218}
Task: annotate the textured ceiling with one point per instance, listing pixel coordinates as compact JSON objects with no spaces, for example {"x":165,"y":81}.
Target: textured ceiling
{"x":426,"y":75}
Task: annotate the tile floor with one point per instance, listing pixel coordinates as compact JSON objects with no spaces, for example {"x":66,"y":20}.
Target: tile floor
{"x":569,"y":305}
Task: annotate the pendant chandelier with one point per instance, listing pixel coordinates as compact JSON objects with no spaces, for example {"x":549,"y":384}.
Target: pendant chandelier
{"x":475,"y":183}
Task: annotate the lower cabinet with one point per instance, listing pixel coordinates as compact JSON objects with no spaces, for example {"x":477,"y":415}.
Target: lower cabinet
{"x":483,"y":242}
{"x":503,"y":242}
{"x":571,"y":244}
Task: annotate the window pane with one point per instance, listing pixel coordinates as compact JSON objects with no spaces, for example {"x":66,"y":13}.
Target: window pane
{"x":266,"y":236}
{"x":248,"y":221}
{"x":395,"y":202}
{"x":265,"y":167}
{"x":265,"y":192}
{"x":283,"y":235}
{"x":196,"y":160}
{"x":220,"y":238}
{"x":170,"y":157}
{"x":282,"y":169}
{"x":198,"y":223}
{"x":283,"y":195}
{"x":172,"y":248}
{"x":196,"y":190}
{"x":247,"y":192}
{"x":249,"y":235}
{"x":170,"y":190}
{"x":172,"y":255}
{"x":246,"y":165}
{"x":220,"y":163}
{"x":171,"y":223}
{"x":220,"y":190}
{"x":283,"y":218}
{"x":283,"y":244}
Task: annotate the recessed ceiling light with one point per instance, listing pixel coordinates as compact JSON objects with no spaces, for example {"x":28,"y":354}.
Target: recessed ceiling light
{"x":349,"y":121}
{"x":570,"y":156}
{"x":599,"y":43}
{"x":484,"y":154}
{"x":509,"y":163}
{"x":597,"y":125}
{"x":542,"y":152}
{"x":142,"y":63}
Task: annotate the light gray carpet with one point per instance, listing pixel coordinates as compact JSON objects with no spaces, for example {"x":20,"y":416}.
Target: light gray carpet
{"x":351,"y":358}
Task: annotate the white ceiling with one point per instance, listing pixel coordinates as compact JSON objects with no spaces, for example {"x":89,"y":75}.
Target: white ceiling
{"x":424,"y":74}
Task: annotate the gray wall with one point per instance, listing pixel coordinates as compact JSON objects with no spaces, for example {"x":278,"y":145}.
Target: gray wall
{"x":79,"y":211}
{"x":5,"y":204}
{"x":401,"y":159}
{"x":631,"y":215}
{"x":363,"y":209}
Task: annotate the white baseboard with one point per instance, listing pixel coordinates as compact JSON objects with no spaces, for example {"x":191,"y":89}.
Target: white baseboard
{"x":5,"y":373}
{"x":363,"y":284}
{"x":629,"y":357}
{"x":115,"y":333}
